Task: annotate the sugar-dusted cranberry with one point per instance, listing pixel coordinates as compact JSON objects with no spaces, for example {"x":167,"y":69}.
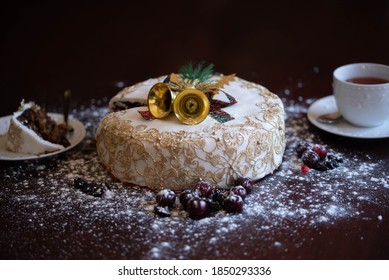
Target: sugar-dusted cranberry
{"x":233,"y":203}
{"x":304,"y":169}
{"x":239,"y":190}
{"x":204,"y":188}
{"x":185,"y":196}
{"x":247,"y":183}
{"x":302,"y":147}
{"x":197,"y":208}
{"x":320,"y":150}
{"x":316,"y":157}
{"x":310,"y":158}
{"x":166,"y":197}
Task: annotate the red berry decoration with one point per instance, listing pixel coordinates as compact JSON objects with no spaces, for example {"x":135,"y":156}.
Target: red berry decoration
{"x":304,"y":169}
{"x":197,"y":208}
{"x":205,"y":200}
{"x":247,"y":183}
{"x":185,"y":196}
{"x":233,"y":203}
{"x":320,"y":150}
{"x":310,"y":158}
{"x":239,"y":190}
{"x":166,"y":198}
{"x":316,"y":157}
{"x":302,"y":147}
{"x":204,"y":189}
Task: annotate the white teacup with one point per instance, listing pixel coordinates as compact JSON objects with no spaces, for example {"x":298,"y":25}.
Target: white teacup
{"x":361,"y":92}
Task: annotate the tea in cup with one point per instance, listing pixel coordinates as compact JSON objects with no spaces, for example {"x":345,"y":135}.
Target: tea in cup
{"x":361,"y":93}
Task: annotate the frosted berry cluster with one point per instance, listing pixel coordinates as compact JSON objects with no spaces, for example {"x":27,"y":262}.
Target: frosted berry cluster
{"x":204,"y":199}
{"x":316,"y":156}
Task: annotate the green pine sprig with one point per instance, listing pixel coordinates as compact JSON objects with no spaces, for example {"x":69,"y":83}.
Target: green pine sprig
{"x":197,"y":72}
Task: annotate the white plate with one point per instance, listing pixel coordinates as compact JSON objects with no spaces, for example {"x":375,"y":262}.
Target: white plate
{"x":75,"y":138}
{"x":343,"y":128}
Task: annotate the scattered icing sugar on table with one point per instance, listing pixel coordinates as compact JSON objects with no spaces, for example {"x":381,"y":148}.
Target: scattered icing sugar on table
{"x":122,"y":223}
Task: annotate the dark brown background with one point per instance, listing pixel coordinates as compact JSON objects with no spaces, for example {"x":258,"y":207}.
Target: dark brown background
{"x":96,"y":47}
{"x":89,"y":46}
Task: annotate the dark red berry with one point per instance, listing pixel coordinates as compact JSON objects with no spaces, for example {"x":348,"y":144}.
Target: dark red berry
{"x":197,"y":208}
{"x":233,"y":203}
{"x":304,"y":169}
{"x":302,"y":147}
{"x":320,"y":150}
{"x":247,"y":183}
{"x":204,"y":188}
{"x":185,"y":196}
{"x":310,"y":158}
{"x":166,"y":197}
{"x":239,"y":190}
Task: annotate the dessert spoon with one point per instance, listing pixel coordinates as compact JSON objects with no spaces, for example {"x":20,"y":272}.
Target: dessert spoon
{"x":330,"y":118}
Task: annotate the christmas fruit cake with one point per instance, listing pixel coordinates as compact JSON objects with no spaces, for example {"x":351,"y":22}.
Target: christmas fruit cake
{"x":32,"y":131}
{"x":236,"y":131}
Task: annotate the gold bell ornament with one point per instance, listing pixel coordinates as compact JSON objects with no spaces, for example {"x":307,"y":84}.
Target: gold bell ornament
{"x":191,"y":106}
{"x":160,"y":100}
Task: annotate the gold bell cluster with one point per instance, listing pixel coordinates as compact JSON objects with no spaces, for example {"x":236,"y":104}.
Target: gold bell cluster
{"x":191,"y":106}
{"x":188,"y":94}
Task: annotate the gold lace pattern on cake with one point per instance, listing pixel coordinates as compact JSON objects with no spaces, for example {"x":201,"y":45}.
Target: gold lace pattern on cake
{"x":148,"y":157}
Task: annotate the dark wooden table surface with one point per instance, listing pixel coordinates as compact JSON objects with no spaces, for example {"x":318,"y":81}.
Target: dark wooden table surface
{"x":96,"y":48}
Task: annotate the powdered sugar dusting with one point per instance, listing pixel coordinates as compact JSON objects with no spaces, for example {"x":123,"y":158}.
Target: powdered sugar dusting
{"x":122,"y":224}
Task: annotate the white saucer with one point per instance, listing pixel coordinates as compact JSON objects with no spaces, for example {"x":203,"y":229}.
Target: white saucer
{"x":343,"y":128}
{"x":76,"y":137}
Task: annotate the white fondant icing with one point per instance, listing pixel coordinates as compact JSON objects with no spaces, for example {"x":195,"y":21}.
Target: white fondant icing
{"x":165,"y":153}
